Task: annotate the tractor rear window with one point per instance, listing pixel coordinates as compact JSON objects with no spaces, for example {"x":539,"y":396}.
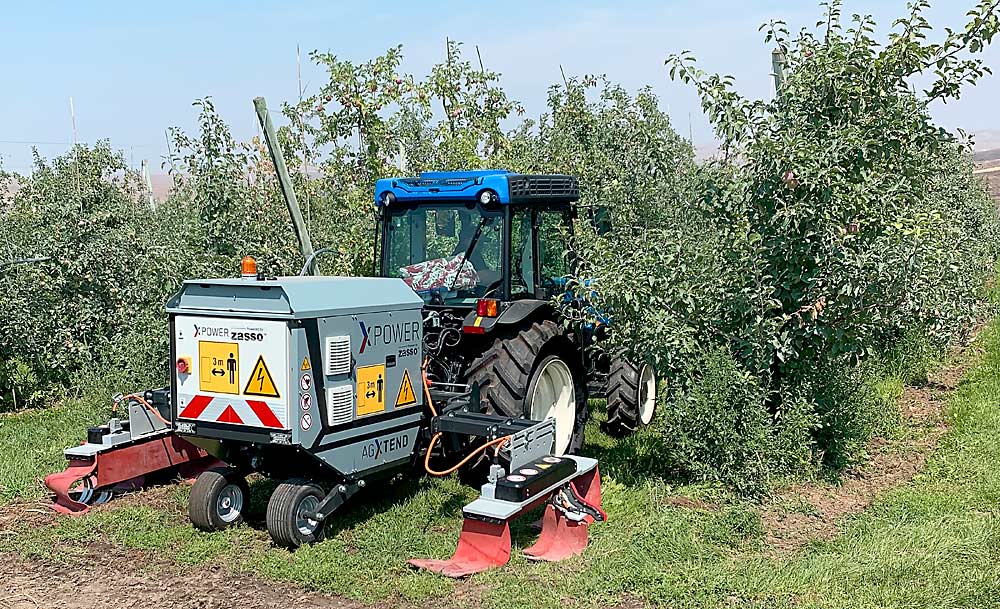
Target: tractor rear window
{"x":451,"y":249}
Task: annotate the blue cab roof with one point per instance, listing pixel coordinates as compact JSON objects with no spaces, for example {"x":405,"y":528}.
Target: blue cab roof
{"x":498,"y":185}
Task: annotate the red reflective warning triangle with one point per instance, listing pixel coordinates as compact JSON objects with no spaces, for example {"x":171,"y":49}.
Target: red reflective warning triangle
{"x":229,"y":416}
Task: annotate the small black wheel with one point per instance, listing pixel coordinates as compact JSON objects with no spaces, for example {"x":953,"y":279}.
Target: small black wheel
{"x":218,"y":499}
{"x":286,"y":513}
{"x":631,"y":397}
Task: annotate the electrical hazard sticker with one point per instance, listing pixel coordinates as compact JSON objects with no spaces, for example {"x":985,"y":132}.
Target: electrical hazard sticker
{"x":219,"y":367}
{"x":260,"y":382}
{"x":406,"y":396}
{"x":371,"y":389}
{"x":305,"y":364}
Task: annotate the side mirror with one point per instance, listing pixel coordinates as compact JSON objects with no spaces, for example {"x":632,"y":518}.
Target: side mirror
{"x":600,"y":219}
{"x":444,"y":224}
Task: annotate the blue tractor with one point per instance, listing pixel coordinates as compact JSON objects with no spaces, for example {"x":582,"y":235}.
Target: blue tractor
{"x":489,"y":253}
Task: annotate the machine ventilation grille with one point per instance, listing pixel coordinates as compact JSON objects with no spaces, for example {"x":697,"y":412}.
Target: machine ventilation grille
{"x":340,"y":404}
{"x":532,"y":187}
{"x":337,"y":355}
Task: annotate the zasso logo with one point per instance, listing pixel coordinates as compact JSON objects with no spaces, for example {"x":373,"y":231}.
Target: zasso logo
{"x":225,"y":333}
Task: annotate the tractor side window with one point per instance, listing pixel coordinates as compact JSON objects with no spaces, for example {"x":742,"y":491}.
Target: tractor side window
{"x":522,"y":258}
{"x":553,"y":240}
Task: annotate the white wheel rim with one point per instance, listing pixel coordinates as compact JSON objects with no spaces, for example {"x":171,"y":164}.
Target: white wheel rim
{"x":554,"y":397}
{"x":306,"y":526}
{"x":229,"y":505}
{"x":647,"y":394}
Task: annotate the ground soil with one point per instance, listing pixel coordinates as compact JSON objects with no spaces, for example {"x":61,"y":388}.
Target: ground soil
{"x":92,"y":583}
{"x":814,"y":511}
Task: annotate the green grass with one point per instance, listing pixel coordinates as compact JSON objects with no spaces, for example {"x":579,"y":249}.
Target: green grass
{"x":931,"y":543}
{"x":32,"y":444}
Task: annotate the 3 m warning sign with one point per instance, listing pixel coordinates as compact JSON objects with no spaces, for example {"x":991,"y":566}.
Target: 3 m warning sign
{"x":406,"y":396}
{"x":239,"y":373}
{"x":371,"y":389}
{"x":220,"y":366}
{"x":261,"y":382}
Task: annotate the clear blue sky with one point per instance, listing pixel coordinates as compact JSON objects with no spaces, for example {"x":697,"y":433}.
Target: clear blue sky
{"x":133,"y":68}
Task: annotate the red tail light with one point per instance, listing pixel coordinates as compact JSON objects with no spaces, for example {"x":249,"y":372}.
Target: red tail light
{"x":487,"y":307}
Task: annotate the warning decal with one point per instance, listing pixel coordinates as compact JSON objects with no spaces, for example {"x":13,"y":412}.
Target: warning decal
{"x":406,"y":396}
{"x":305,"y":364}
{"x":260,"y":382}
{"x":371,"y":389}
{"x":219,"y":364}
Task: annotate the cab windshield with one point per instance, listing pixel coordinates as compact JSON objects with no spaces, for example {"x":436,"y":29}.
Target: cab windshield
{"x":454,"y":251}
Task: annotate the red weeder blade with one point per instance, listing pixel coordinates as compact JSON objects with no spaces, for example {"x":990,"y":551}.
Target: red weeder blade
{"x":127,"y":464}
{"x":484,"y":545}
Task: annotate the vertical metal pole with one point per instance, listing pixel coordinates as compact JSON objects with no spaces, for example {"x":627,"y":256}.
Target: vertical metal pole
{"x":271,"y":139}
{"x":148,"y":181}
{"x":778,"y":68}
{"x":76,"y":153}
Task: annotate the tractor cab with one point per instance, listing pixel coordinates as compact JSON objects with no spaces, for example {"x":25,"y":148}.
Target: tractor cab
{"x":460,"y":237}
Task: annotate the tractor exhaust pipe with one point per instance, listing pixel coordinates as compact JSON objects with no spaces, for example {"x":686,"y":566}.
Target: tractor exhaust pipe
{"x":271,"y":139}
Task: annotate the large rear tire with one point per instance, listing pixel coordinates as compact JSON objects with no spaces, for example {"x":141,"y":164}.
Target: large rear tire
{"x":529,"y":375}
{"x":631,"y":397}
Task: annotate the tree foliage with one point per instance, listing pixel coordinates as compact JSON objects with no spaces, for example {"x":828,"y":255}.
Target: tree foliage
{"x":839,"y":226}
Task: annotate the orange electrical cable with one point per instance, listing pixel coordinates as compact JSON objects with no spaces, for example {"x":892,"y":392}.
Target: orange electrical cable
{"x":149,"y":407}
{"x":498,"y":442}
{"x":427,"y":391}
{"x":427,"y":457}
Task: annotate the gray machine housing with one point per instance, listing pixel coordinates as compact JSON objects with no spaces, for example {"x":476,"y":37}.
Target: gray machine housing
{"x":376,"y":321}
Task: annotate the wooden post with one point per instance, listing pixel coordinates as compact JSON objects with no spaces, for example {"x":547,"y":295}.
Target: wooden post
{"x":778,"y":68}
{"x":271,"y":139}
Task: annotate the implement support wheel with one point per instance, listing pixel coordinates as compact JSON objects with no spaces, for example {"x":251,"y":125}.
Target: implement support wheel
{"x":218,"y":499}
{"x":286,"y":514}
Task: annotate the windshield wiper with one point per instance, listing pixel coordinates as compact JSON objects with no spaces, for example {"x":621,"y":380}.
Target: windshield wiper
{"x":468,"y":251}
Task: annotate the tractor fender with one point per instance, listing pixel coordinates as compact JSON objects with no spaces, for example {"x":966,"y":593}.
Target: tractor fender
{"x":519,"y":310}
{"x":516,"y":313}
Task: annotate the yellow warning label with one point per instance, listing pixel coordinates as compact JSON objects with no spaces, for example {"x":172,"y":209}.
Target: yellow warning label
{"x":305,"y":364}
{"x":371,"y":389}
{"x":260,"y":381}
{"x":406,"y":396}
{"x":219,"y":367}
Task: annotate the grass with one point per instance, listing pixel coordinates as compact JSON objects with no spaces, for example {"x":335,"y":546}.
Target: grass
{"x":932,"y":542}
{"x":32,"y":443}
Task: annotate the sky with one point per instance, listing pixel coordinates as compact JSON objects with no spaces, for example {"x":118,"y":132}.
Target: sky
{"x":133,"y":68}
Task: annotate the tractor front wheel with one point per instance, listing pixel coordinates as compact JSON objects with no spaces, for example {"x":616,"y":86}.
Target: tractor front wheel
{"x":631,"y":397}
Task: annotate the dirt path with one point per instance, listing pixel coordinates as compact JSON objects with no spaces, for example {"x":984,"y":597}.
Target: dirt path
{"x":109,"y":580}
{"x":814,"y":511}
